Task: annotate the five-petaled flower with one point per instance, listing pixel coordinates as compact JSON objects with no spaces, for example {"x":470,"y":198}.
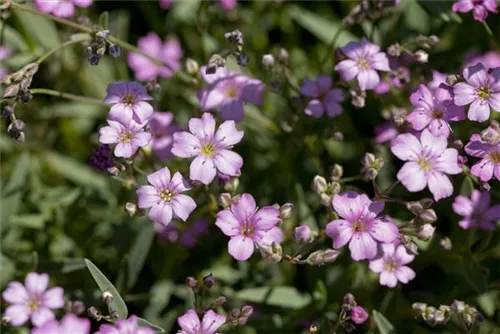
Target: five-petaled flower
{"x":32,"y":300}
{"x":248,"y":226}
{"x":164,"y":197}
{"x":359,"y":315}
{"x":391,"y":265}
{"x":364,"y":60}
{"x":190,"y":323}
{"x":428,"y":160}
{"x":128,"y":138}
{"x":489,"y":152}
{"x":324,"y":98}
{"x":128,"y":100}
{"x":480,"y":8}
{"x":125,"y":326}
{"x":476,"y":211}
{"x":70,"y":323}
{"x":360,"y":224}
{"x":61,"y":8}
{"x":211,"y":148}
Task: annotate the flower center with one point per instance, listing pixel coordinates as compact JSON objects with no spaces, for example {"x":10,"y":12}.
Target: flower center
{"x":494,"y":156}
{"x":208,"y":150}
{"x":483,"y":93}
{"x":425,"y":164}
{"x":437,"y":114}
{"x":359,"y":226}
{"x":33,"y":304}
{"x":166,"y":195}
{"x":247,"y":229}
{"x":125,"y":137}
{"x":390,"y":265}
{"x":363,"y":63}
{"x":128,"y":99}
{"x":232,"y":92}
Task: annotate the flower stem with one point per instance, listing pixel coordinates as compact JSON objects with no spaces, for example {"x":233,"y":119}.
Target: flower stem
{"x":488,"y":29}
{"x":331,"y":45}
{"x":62,"y":46}
{"x":67,"y":96}
{"x":350,"y":179}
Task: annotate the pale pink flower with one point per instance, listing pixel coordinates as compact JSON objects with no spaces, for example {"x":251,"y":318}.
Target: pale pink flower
{"x":480,"y":8}
{"x":211,"y":148}
{"x":128,"y":138}
{"x":489,"y":152}
{"x":248,"y":226}
{"x":128,"y":100}
{"x":359,"y":315}
{"x":32,"y":300}
{"x":324,"y":98}
{"x":428,"y":160}
{"x":476,"y":211}
{"x":228,"y":5}
{"x":69,"y":324}
{"x":164,"y":197}
{"x":438,"y":78}
{"x":392,"y":265}
{"x":61,"y":8}
{"x":360,"y":224}
{"x":162,"y":129}
{"x":190,"y":323}
{"x":125,"y":326}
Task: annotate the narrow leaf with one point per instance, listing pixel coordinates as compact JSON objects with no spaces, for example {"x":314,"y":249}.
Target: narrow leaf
{"x":383,"y":325}
{"x":139,"y":253}
{"x":104,"y":20}
{"x":145,"y":323}
{"x":19,"y":174}
{"x":283,"y":296}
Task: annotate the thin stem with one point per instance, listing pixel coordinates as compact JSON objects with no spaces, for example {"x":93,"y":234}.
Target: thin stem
{"x":389,"y":189}
{"x":62,"y":46}
{"x":67,"y":96}
{"x":488,"y":29}
{"x":350,"y":179}
{"x":331,"y":45}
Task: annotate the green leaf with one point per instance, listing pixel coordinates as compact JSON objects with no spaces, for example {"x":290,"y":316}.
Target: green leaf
{"x":145,"y":323}
{"x":282,"y":296}
{"x":35,"y":221}
{"x":185,"y":11}
{"x":416,"y":17}
{"x":467,"y":186}
{"x":106,"y":286}
{"x":160,"y":294}
{"x":104,"y":20}
{"x":488,"y":302}
{"x":19,"y":175}
{"x":139,"y":253}
{"x":383,"y":325}
{"x":474,"y":276}
{"x":38,"y":30}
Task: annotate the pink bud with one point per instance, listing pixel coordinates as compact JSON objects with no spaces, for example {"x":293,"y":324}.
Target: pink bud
{"x":302,"y":234}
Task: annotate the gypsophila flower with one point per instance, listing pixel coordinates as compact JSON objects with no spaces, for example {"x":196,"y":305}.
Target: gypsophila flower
{"x":190,"y":323}
{"x":489,"y":152}
{"x":228,"y":91}
{"x":481,"y":90}
{"x":427,"y":163}
{"x":476,"y":211}
{"x":128,"y":138}
{"x":164,"y":197}
{"x":169,"y":52}
{"x":32,"y":300}
{"x":480,"y":8}
{"x":248,"y":226}
{"x":360,"y":224}
{"x":434,"y":110}
{"x":324,"y":98}
{"x":162,"y":130}
{"x":61,"y":8}
{"x":211,"y":148}
{"x":392,"y":265}
{"x":128,"y":100}
{"x":69,"y":324}
{"x":359,"y":315}
{"x":364,"y":60}
{"x":125,"y":326}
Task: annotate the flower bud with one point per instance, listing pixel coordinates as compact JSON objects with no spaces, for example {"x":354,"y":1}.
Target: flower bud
{"x":445,"y":243}
{"x":19,"y":137}
{"x":113,"y":170}
{"x":225,"y":200}
{"x":94,"y":60}
{"x":359,"y":315}
{"x":192,"y":283}
{"x":209,"y":280}
{"x":419,"y":307}
{"x":131,"y":209}
{"x":484,"y":187}
{"x":16,"y":126}
{"x":220,"y":300}
{"x":319,"y":184}
{"x":302,"y":234}
{"x":286,"y":211}
{"x":7,"y":111}
{"x":336,"y":172}
{"x":428,"y":216}
{"x":242,"y":59}
{"x":358,"y":101}
{"x":283,"y":55}
{"x":330,"y":255}
{"x":315,"y":258}
{"x":11,"y":91}
{"x":107,"y":297}
{"x":394,"y":50}
{"x":115,"y":50}
{"x":421,"y":56}
{"x":349,"y":300}
{"x":246,"y":311}
{"x":425,"y":232}
{"x":369,"y":174}
{"x":277,"y":252}
{"x":101,"y":35}
{"x":94,"y":313}
{"x":433,"y":40}
{"x":426,"y":202}
{"x":77,"y":307}
{"x":458,"y":306}
{"x":452,"y":79}
{"x":268,"y":61}
{"x":313,"y":329}
{"x":415,"y":207}
{"x":192,"y":66}
{"x":325,"y":199}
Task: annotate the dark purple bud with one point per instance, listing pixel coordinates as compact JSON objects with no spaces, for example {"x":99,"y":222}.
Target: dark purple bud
{"x":209,"y":280}
{"x":94,"y":60}
{"x":25,"y":96}
{"x":242,"y":59}
{"x":7,"y":111}
{"x":246,"y":311}
{"x":115,"y":50}
{"x":11,"y":91}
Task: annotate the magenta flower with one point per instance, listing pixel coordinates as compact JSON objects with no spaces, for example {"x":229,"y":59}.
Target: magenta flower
{"x":162,"y":130}
{"x":164,"y":197}
{"x":32,"y":300}
{"x":190,"y":323}
{"x":363,"y":60}
{"x":360,"y":225}
{"x":70,"y":323}
{"x":427,"y":163}
{"x":248,"y":226}
{"x":128,"y":102}
{"x":169,"y":52}
{"x":489,"y":152}
{"x":435,"y":110}
{"x":125,"y":326}
{"x":211,"y":148}
{"x":481,"y":90}
{"x":391,"y":265}
{"x":228,"y":5}
{"x":228,"y":91}
{"x":476,"y":211}
{"x":324,"y":99}
{"x":480,"y":8}
{"x":128,"y":139}
{"x":61,"y":8}
{"x":359,"y":315}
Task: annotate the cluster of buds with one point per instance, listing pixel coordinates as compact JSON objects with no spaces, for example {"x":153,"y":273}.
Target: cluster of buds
{"x":152,"y":86}
{"x":467,"y":313}
{"x":229,"y":183}
{"x":18,"y":83}
{"x":273,"y":251}
{"x":239,"y":316}
{"x":93,"y":313}
{"x":371,"y":166}
{"x":358,"y":98}
{"x":491,"y":134}
{"x":427,"y":42}
{"x":74,"y":306}
{"x":368,"y":10}
{"x":431,"y":315}
{"x":424,"y":217}
{"x":100,"y":45}
{"x":16,"y":126}
{"x":351,"y":314}
{"x":322,"y":256}
{"x":235,"y":38}
{"x":276,"y":67}
{"x":325,"y":190}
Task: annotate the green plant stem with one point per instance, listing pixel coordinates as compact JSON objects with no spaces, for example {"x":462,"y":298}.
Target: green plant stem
{"x":488,"y":29}
{"x":62,"y":46}
{"x":350,"y":179}
{"x":67,"y":96}
{"x":331,"y":46}
{"x":389,"y":189}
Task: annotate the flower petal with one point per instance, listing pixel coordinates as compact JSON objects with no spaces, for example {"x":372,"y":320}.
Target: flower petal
{"x":228,"y":135}
{"x":41,"y":316}
{"x":17,"y":314}
{"x":15,"y":293}
{"x":388,"y":279}
{"x":203,"y":128}
{"x":362,"y":246}
{"x":232,"y":111}
{"x":228,"y":162}
{"x":36,"y":284}
{"x":340,"y":231}
{"x":412,"y":176}
{"x":211,"y":322}
{"x":183,"y":205}
{"x":244,"y":207}
{"x":439,"y":185}
{"x":160,"y":179}
{"x":53,"y":298}
{"x":406,"y":147}
{"x":228,"y":223}
{"x":202,"y":169}
{"x":402,"y":255}
{"x":404,"y":274}
{"x":161,"y":213}
{"x":189,"y":322}
{"x":266,"y":218}
{"x":241,"y":248}
{"x":185,"y":145}
{"x":384,"y":230}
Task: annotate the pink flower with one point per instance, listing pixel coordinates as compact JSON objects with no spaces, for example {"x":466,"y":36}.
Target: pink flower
{"x":359,"y":315}
{"x":248,"y":226}
{"x":169,"y":52}
{"x":398,"y":78}
{"x":391,"y":265}
{"x":489,"y":152}
{"x":125,"y":326}
{"x":490,"y":60}
{"x":481,"y":89}
{"x":70,"y":323}
{"x":61,"y":8}
{"x":302,"y":234}
{"x":228,"y":5}
{"x":211,"y":148}
{"x":128,"y":138}
{"x":363,"y":60}
{"x":162,"y":130}
{"x":385,"y":132}
{"x":228,"y":91}
{"x":323,"y":97}
{"x":190,"y":322}
{"x":480,"y":8}
{"x":164,"y":197}
{"x":165,"y":4}
{"x":360,"y":225}
{"x":32,"y":300}
{"x":128,"y":102}
{"x":438,"y":78}
{"x":435,"y":110}
{"x":476,"y":211}
{"x":428,"y":162}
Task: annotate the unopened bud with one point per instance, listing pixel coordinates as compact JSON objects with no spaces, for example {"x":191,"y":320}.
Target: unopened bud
{"x":302,"y":234}
{"x":394,"y":50}
{"x":330,"y":255}
{"x":94,"y":313}
{"x":415,"y":207}
{"x":5,"y":320}
{"x":458,"y":306}
{"x":268,"y":61}
{"x":445,"y":243}
{"x":225,"y":200}
{"x":276,"y":252}
{"x":246,"y":311}
{"x":419,"y":307}
{"x":220,"y":300}
{"x":283,"y":55}
{"x":425,"y":232}
{"x":209,"y":280}
{"x":336,"y":172}
{"x":192,"y":283}
{"x":192,"y":66}
{"x":113,"y":170}
{"x":316,"y":258}
{"x":115,"y":50}
{"x":428,"y":216}
{"x":313,"y":329}
{"x":433,"y":40}
{"x":325,"y":199}
{"x":7,"y":111}
{"x":19,"y":137}
{"x":349,"y":300}
{"x":369,"y":174}
{"x":101,"y":35}
{"x":242,"y":59}
{"x":421,"y":56}
{"x":426,"y":202}
{"x":94,"y":60}
{"x":485,"y":187}
{"x":286,"y":211}
{"x":358,"y":101}
{"x":107,"y":297}
{"x":77,"y":307}
{"x":15,"y":126}
{"x":131,"y":209}
{"x":319,"y":184}
{"x":11,"y":91}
